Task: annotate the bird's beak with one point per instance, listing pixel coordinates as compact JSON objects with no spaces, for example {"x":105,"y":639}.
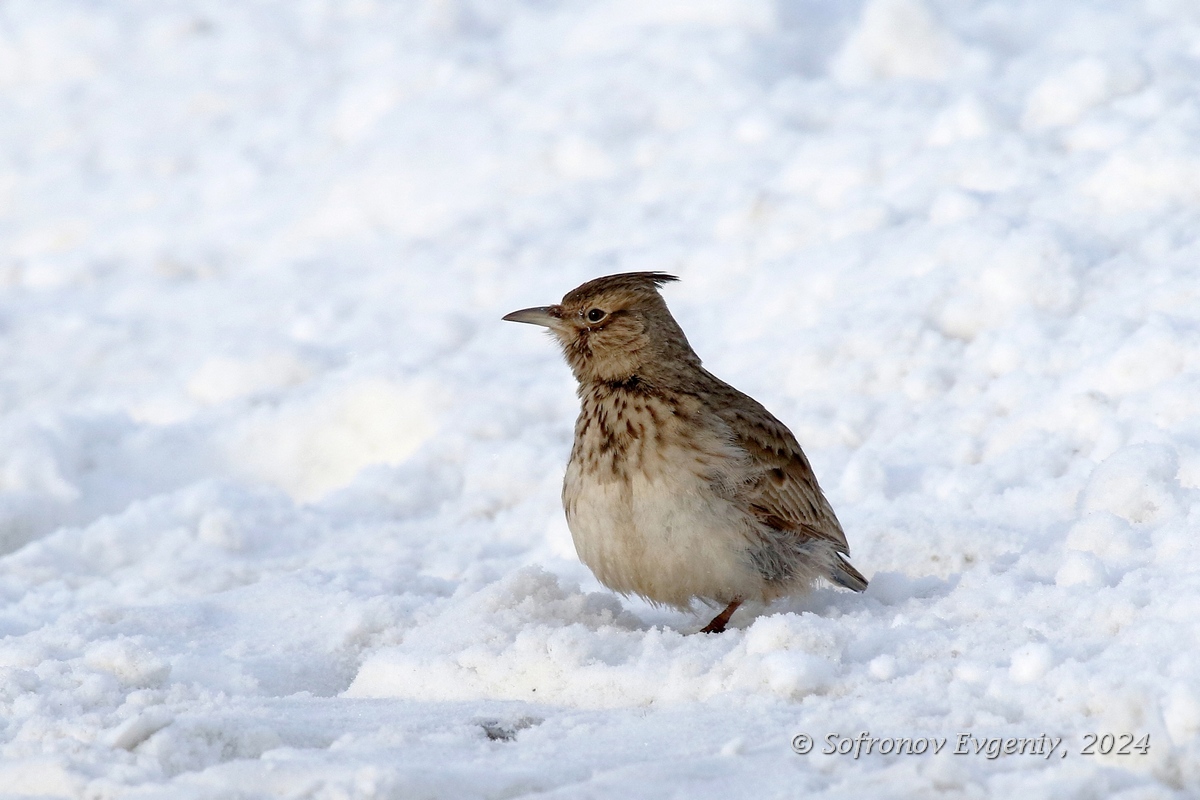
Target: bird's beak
{"x":546,"y":316}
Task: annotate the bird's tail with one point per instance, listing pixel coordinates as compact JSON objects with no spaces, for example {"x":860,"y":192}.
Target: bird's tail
{"x":843,"y":573}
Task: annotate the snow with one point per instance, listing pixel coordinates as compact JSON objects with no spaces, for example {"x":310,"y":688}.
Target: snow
{"x":279,"y":505}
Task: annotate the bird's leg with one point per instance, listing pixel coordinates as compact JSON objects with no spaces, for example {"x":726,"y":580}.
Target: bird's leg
{"x":719,"y":621}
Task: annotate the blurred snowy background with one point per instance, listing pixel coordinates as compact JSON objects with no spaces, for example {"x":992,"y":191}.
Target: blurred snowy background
{"x":279,"y":492}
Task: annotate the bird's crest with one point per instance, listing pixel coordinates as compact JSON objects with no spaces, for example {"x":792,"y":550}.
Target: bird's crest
{"x":627,"y":281}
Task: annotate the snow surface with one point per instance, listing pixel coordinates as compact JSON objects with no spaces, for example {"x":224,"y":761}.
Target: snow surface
{"x":279,"y":491}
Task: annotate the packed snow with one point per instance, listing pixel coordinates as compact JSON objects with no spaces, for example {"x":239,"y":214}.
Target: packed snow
{"x":279,"y":492}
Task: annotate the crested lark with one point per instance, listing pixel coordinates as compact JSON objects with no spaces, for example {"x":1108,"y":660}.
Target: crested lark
{"x":680,"y":487}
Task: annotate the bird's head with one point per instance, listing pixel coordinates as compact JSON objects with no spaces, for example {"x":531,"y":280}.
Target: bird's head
{"x":616,"y":328}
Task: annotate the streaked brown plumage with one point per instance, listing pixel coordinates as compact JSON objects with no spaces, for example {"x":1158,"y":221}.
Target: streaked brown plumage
{"x":679,"y":487}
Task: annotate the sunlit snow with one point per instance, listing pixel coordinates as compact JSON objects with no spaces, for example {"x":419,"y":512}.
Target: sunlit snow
{"x":279,"y":492}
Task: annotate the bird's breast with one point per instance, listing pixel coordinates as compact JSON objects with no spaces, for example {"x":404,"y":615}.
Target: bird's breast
{"x":648,"y":501}
{"x":626,"y":428}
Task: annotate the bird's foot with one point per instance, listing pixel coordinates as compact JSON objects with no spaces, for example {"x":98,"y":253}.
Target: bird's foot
{"x":720,"y":620}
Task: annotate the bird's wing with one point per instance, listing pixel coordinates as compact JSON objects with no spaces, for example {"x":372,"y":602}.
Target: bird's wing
{"x":782,"y":490}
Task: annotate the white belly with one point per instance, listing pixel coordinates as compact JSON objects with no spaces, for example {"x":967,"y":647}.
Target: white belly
{"x":670,"y":538}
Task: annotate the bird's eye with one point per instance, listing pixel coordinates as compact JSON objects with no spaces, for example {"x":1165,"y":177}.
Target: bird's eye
{"x":595,"y":315}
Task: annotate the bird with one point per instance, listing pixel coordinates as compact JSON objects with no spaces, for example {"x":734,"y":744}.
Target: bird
{"x":680,"y":488}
